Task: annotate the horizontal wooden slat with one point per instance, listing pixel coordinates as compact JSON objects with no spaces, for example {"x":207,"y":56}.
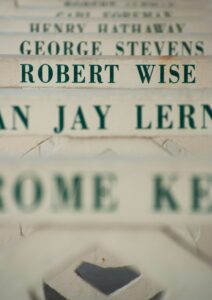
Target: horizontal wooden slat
{"x":111,"y":3}
{"x":106,"y":45}
{"x":106,"y":72}
{"x":110,"y":13}
{"x":106,"y":113}
{"x":64,"y":25}
{"x":109,"y":192}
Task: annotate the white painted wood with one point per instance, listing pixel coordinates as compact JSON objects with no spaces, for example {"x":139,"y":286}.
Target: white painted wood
{"x":110,"y":13}
{"x":104,"y":26}
{"x":16,"y":68}
{"x":104,"y":113}
{"x":109,"y":45}
{"x":187,"y":181}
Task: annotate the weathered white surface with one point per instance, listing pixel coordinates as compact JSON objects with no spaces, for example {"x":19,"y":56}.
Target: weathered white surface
{"x":99,"y":191}
{"x":63,"y":277}
{"x":112,"y":71}
{"x":175,"y":269}
{"x":117,"y":3}
{"x":106,"y":12}
{"x":106,"y":45}
{"x":165,"y":268}
{"x":105,"y":113}
{"x":64,"y":25}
